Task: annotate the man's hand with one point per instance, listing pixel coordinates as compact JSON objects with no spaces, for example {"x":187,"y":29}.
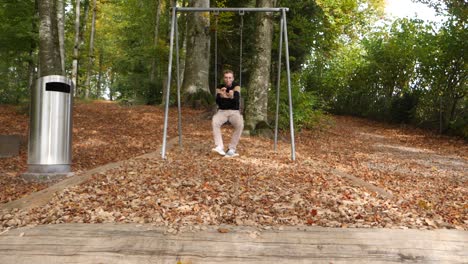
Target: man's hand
{"x":224,"y":94}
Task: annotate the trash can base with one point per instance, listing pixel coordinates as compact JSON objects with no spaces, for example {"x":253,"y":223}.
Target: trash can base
{"x":44,"y":177}
{"x":46,"y":173}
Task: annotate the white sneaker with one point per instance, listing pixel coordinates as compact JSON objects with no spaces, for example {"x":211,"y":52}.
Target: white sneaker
{"x":231,"y":153}
{"x":219,"y":150}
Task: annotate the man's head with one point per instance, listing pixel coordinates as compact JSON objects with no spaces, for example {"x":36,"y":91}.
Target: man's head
{"x":228,"y":77}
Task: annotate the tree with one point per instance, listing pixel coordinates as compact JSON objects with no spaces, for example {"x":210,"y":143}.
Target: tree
{"x":76,"y":45}
{"x":156,"y":40}
{"x":61,"y":31}
{"x":257,"y":103}
{"x":91,"y":52}
{"x":197,"y":61}
{"x":50,"y":62}
{"x":442,"y":78}
{"x":18,"y":49}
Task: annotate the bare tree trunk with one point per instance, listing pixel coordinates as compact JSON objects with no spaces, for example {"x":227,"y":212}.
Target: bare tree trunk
{"x":76,"y":46}
{"x":183,"y":39}
{"x":257,"y":104}
{"x":98,"y":84}
{"x":49,"y":47}
{"x":83,"y":26}
{"x":61,"y":31}
{"x":440,"y":116}
{"x":155,"y":41}
{"x":111,"y":86}
{"x":169,"y":13}
{"x":31,"y":65}
{"x":91,"y":52}
{"x":85,"y":20}
{"x":31,"y":68}
{"x":197,"y":61}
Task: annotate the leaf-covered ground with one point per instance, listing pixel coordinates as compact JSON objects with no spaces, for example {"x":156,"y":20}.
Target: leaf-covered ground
{"x":426,"y":173}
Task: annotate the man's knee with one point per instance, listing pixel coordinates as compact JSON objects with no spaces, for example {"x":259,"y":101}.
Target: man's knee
{"x":216,"y":122}
{"x":239,"y":124}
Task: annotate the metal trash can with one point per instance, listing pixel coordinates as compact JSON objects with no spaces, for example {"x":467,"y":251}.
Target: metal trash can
{"x":50,"y":129}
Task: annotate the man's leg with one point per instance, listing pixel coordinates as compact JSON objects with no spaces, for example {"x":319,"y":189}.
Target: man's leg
{"x":237,"y":121}
{"x":218,"y":120}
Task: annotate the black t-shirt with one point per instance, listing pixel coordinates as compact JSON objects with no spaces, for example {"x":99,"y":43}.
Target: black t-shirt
{"x":228,"y":103}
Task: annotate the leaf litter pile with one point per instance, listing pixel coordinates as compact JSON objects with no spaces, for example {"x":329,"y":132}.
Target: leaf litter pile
{"x":425,"y":175}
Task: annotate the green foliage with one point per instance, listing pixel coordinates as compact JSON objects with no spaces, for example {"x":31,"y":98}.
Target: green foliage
{"x":403,"y":107}
{"x":307,"y":108}
{"x":407,"y":73}
{"x":18,"y":41}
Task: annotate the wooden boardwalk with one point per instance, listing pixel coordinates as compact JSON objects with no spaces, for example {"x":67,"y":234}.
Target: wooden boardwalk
{"x":131,"y":243}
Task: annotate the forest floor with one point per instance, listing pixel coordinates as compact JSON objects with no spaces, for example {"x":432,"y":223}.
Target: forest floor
{"x":351,"y":173}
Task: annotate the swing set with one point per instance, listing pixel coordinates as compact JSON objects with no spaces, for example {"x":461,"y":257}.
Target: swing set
{"x":174,"y":32}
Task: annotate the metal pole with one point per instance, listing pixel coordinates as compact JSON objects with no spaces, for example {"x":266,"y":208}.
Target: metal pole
{"x":229,"y":9}
{"x":291,"y":118}
{"x":168,"y":87}
{"x":216,"y":53}
{"x":278,"y":85}
{"x":179,"y":111}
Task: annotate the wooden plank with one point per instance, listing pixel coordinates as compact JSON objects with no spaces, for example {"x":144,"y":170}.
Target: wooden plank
{"x":130,"y":243}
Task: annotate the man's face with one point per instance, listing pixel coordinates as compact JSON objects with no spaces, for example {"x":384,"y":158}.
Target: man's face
{"x":228,"y":78}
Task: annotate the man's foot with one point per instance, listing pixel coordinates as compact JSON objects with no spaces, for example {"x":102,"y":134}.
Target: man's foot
{"x":219,"y":150}
{"x":231,"y":153}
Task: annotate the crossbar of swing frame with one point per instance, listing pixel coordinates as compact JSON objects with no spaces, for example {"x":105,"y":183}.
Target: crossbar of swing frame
{"x":174,"y":31}
{"x":230,"y":9}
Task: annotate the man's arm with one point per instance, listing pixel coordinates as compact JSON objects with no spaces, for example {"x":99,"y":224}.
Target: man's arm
{"x":222,"y":92}
{"x":235,"y":93}
{"x":231,"y":94}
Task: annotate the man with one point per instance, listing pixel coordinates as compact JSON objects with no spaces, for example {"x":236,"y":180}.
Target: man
{"x":227,"y":98}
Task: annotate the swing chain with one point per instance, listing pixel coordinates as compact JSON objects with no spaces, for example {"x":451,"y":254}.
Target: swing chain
{"x":216,"y":14}
{"x":241,"y":13}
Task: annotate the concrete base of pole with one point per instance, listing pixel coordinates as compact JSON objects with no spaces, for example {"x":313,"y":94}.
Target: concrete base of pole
{"x":46,"y":173}
{"x":9,"y":145}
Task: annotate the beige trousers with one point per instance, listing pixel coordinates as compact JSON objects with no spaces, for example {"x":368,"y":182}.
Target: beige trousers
{"x":235,"y":118}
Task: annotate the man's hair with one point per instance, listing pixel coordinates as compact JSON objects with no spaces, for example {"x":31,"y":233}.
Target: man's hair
{"x":228,"y":71}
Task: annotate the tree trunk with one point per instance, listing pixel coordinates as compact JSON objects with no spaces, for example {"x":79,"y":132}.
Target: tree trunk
{"x":83,"y":26}
{"x":31,"y":68}
{"x":49,"y":46}
{"x":98,"y":84}
{"x":197,"y":62}
{"x":183,"y":40}
{"x":85,"y":20}
{"x":31,"y":64}
{"x":257,"y":104}
{"x":155,"y":41}
{"x":61,"y":31}
{"x":164,"y":81}
{"x":76,"y":46}
{"x":91,"y":52}
{"x":111,"y":86}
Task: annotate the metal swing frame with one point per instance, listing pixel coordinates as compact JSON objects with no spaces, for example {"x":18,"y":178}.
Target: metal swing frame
{"x":174,"y":32}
